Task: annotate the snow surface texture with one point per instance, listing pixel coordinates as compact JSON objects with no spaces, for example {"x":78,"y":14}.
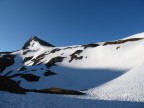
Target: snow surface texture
{"x":110,"y":73}
{"x":33,"y":100}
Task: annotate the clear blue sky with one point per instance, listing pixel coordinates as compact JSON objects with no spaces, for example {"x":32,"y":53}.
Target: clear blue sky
{"x":68,"y":22}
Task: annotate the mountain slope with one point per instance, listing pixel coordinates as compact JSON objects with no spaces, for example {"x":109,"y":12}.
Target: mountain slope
{"x":103,"y":71}
{"x":127,"y":87}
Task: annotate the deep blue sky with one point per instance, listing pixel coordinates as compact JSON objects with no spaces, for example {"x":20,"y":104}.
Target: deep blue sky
{"x":68,"y":22}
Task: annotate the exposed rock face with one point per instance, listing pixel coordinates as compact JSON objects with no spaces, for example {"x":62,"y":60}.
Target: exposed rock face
{"x":6,"y":61}
{"x":49,"y":73}
{"x":6,"y":84}
{"x":38,"y":58}
{"x":27,"y":59}
{"x":74,"y":55}
{"x":59,"y":91}
{"x":54,"y":60}
{"x":55,"y":50}
{"x":30,"y":77}
{"x":9,"y":85}
{"x":122,"y":41}
{"x":90,"y":45}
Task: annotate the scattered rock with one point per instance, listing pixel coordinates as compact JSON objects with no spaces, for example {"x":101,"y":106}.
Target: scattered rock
{"x":67,"y":48}
{"x":25,"y":52}
{"x":122,"y":41}
{"x":38,"y":58}
{"x":59,"y":91}
{"x":54,"y":60}
{"x":48,"y":73}
{"x":70,"y":47}
{"x":90,"y":45}
{"x":55,"y":50}
{"x":30,"y":77}
{"x":74,"y":55}
{"x":117,"y":47}
{"x":27,"y":59}
{"x":77,"y":52}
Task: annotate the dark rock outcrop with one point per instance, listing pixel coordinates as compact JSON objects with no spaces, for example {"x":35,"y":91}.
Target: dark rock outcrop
{"x":30,"y":77}
{"x":38,"y":58}
{"x":9,"y":85}
{"x":27,"y":59}
{"x":55,"y":50}
{"x":90,"y":45}
{"x":6,"y":84}
{"x":49,"y":73}
{"x":27,"y":77}
{"x":122,"y":41}
{"x":54,"y":60}
{"x":74,"y":55}
{"x":59,"y":91}
{"x":6,"y":61}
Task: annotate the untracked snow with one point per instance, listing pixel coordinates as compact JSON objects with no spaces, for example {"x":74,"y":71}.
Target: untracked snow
{"x":110,"y":73}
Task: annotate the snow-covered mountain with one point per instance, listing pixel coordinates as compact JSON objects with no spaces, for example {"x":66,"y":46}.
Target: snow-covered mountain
{"x":97,"y":71}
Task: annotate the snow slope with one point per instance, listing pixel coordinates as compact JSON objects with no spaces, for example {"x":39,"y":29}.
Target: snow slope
{"x":33,"y":100}
{"x":128,"y":87}
{"x":110,"y":73}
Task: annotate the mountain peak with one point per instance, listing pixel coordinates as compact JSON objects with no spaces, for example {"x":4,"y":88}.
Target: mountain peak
{"x":36,"y":40}
{"x":34,"y":37}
